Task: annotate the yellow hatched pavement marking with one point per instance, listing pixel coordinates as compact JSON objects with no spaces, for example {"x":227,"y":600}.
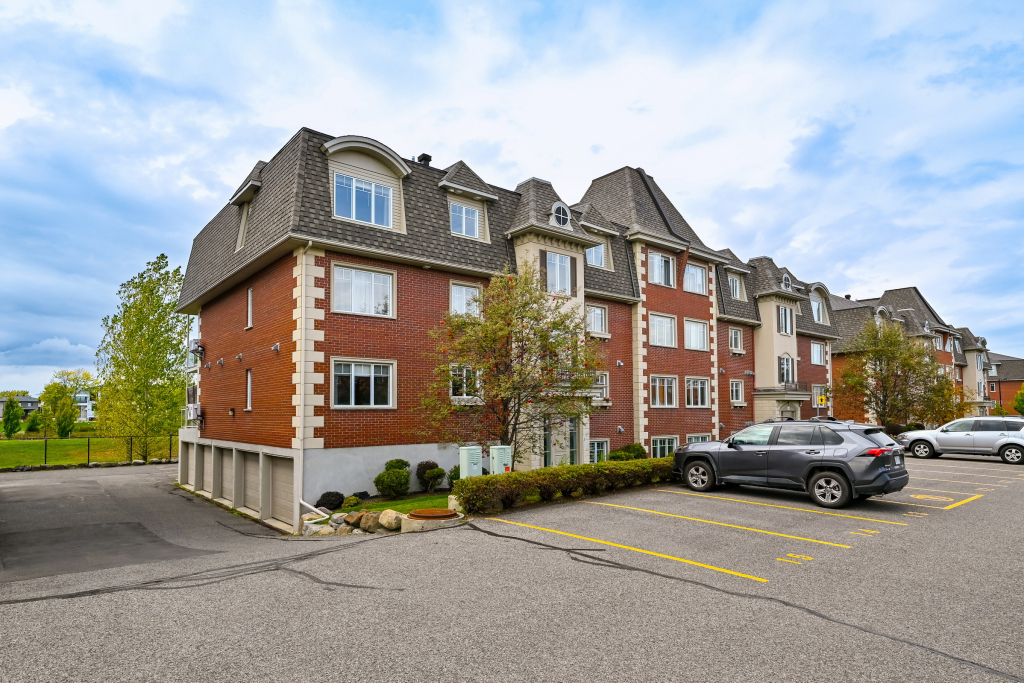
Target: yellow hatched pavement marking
{"x":955,"y":481}
{"x":708,"y":521}
{"x":637,"y":550}
{"x":783,"y":507}
{"x":917,"y":488}
{"x":950,"y":507}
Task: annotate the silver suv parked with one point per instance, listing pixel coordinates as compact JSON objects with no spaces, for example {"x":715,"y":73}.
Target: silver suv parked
{"x":1000,"y":436}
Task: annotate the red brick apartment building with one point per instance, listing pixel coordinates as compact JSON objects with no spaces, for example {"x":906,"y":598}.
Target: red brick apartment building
{"x":314,"y":289}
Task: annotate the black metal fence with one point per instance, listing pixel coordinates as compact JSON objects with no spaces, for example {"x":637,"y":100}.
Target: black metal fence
{"x":85,"y":449}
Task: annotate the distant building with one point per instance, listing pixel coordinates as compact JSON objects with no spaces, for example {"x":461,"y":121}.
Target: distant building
{"x":1005,"y":379}
{"x":29,"y":404}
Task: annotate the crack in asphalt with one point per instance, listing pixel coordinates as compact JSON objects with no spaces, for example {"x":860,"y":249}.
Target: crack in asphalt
{"x":209,"y":577}
{"x":579,"y":556}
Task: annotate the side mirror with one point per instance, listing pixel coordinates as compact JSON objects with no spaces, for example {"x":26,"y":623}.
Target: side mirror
{"x":731,"y":444}
{"x":943,"y":430}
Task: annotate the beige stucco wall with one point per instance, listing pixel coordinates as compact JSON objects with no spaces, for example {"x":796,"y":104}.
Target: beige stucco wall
{"x":769,"y":344}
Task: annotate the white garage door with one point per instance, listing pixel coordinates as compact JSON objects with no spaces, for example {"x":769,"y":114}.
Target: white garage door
{"x":281,"y":489}
{"x":190,"y":463}
{"x":251,"y":491}
{"x":207,"y":469}
{"x":227,"y":474}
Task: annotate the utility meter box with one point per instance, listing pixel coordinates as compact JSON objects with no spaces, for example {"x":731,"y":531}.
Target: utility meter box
{"x":470,"y":461}
{"x":501,"y":459}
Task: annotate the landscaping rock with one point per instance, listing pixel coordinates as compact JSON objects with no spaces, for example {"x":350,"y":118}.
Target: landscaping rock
{"x":138,"y":462}
{"x":345,"y":529}
{"x":311,"y":515}
{"x":370,"y":521}
{"x":354,"y":518}
{"x":357,"y":531}
{"x":326,"y":511}
{"x":384,"y":531}
{"x":390,"y":519}
{"x":309,"y":529}
{"x":337,"y":520}
{"x":453,"y":504}
{"x":325,"y":530}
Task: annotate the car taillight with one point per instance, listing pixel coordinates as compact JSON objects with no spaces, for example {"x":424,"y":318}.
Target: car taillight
{"x":878,"y":451}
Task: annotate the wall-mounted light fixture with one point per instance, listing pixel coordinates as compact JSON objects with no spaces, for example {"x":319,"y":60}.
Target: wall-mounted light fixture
{"x":276,"y":347}
{"x":619,"y":363}
{"x":721,"y":371}
{"x":239,"y":356}
{"x":220,"y":362}
{"x":231,"y":411}
{"x":619,"y":429}
{"x":207,"y":366}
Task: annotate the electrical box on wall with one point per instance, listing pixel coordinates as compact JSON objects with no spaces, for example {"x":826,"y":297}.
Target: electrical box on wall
{"x":470,"y":461}
{"x":501,"y":459}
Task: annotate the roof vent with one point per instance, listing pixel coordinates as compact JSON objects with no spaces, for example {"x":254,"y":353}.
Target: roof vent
{"x":847,"y":296}
{"x":424,"y":159}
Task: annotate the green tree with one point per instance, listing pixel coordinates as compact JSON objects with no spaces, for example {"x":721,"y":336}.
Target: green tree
{"x":78,"y":381}
{"x":998,"y":409}
{"x":57,"y":409}
{"x":887,"y":372}
{"x":1018,"y":401}
{"x":13,"y":413}
{"x":34,"y":423}
{"x":524,"y":361}
{"x":945,"y":401}
{"x":12,"y":393}
{"x":141,"y":360}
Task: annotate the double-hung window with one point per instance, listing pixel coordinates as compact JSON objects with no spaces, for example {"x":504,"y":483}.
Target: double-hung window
{"x":991,"y":387}
{"x":362,"y":384}
{"x":248,"y":309}
{"x":697,"y":392}
{"x":663,"y":330}
{"x":785,"y":370}
{"x":981,"y":389}
{"x":663,"y":446}
{"x":695,"y":279}
{"x":362,"y":200}
{"x":601,"y":385}
{"x":248,"y":388}
{"x":598,"y":450}
{"x":817,"y":354}
{"x":663,"y":270}
{"x":736,"y":391}
{"x":980,"y":361}
{"x":595,"y":256}
{"x":735,"y":287}
{"x":465,"y":221}
{"x":597,"y":319}
{"x":362,"y":291}
{"x":735,"y":339}
{"x":698,"y":438}
{"x":558,"y":274}
{"x":695,"y":334}
{"x":465,"y":300}
{"x":817,"y":310}
{"x":949,"y":343}
{"x":464,"y":382}
{"x":663,"y":392}
{"x":785,"y":321}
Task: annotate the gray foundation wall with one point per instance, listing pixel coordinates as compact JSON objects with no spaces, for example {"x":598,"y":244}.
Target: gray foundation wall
{"x":353,"y":469}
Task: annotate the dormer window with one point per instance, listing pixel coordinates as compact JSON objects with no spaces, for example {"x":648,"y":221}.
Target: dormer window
{"x":465,"y":221}
{"x":561,"y":215}
{"x":818,"y":307}
{"x":787,"y":282}
{"x":361,"y":200}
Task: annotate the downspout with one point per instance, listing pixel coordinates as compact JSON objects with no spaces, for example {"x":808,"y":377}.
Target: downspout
{"x":302,"y":385}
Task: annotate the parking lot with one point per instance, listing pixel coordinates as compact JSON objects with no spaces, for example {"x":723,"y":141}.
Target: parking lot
{"x":650,"y":585}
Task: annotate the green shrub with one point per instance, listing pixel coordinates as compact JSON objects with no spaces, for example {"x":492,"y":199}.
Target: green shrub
{"x":421,"y":472}
{"x":351,"y":502}
{"x":396,"y":464}
{"x":392,"y":483}
{"x":512,"y":487}
{"x":34,"y":422}
{"x":453,"y":476}
{"x":633,"y":451}
{"x":432,"y":478}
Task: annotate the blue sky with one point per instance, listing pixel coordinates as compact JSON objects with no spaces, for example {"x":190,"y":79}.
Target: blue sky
{"x":867,"y":145}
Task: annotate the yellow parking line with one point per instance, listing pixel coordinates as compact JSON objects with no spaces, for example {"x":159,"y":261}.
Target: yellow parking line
{"x":917,"y":488}
{"x":785,"y":560}
{"x":708,"y":521}
{"x":783,"y":507}
{"x":955,"y":481}
{"x":950,"y":507}
{"x":638,"y":550}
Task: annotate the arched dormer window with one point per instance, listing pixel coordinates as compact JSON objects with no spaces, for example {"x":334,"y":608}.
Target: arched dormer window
{"x":818,"y":311}
{"x":560,"y":214}
{"x":787,"y":282}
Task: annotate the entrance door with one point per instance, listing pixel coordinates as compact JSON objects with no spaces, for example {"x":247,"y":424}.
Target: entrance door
{"x":281,"y":489}
{"x":956,"y":437}
{"x":791,"y":454}
{"x":251,"y":486}
{"x":744,"y":459}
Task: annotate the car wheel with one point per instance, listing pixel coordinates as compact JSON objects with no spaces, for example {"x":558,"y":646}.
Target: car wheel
{"x":922,"y":449}
{"x":830,"y":490}
{"x":1012,"y":454}
{"x":699,"y":476}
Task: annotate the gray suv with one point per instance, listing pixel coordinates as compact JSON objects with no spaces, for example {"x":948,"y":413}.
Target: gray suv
{"x":835,"y":462}
{"x":1000,"y":436}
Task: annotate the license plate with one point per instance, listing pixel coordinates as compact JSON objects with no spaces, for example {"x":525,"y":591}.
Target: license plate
{"x":899,"y":460}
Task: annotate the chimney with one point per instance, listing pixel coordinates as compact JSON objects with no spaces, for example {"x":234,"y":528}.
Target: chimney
{"x":424,"y":159}
{"x":847,"y":296}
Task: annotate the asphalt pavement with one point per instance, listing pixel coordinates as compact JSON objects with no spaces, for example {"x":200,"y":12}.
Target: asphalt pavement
{"x":116,"y":575}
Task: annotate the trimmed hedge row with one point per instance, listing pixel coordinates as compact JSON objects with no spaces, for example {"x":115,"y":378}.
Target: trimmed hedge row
{"x":489,"y":492}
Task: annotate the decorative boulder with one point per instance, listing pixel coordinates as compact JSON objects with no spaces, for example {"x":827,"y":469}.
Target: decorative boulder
{"x":370,"y":521}
{"x":325,"y":530}
{"x":311,"y":515}
{"x":390,"y":519}
{"x":309,"y":529}
{"x":337,"y":520}
{"x":345,"y":529}
{"x":354,"y":518}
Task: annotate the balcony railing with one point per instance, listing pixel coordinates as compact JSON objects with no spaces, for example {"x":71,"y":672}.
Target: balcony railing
{"x":787,"y":386}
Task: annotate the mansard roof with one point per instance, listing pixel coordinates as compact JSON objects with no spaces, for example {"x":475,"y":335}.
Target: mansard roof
{"x":460,"y":179}
{"x":739,"y":310}
{"x":536,"y":210}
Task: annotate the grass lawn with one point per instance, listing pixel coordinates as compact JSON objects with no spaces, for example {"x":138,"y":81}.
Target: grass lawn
{"x":413,"y":502}
{"x":19,"y":452}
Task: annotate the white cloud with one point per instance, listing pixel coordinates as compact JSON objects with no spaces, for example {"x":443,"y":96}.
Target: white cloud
{"x":122,"y":21}
{"x":49,"y":352}
{"x":14,"y":105}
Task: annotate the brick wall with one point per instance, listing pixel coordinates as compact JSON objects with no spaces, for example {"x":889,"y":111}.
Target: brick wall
{"x":735,"y":365}
{"x":845,"y":410}
{"x":678,"y":361}
{"x":604,"y":422}
{"x":222,"y":328}
{"x":422,"y":298}
{"x":1004,"y":394}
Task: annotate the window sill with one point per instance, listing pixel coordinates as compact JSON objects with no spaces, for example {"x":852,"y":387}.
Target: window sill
{"x":359,"y":222}
{"x":653,"y":407}
{"x":466,"y":400}
{"x":662,"y":346}
{"x":600,"y":335}
{"x":690,"y":291}
{"x":687,"y":348}
{"x":247,"y":410}
{"x":363,"y":408}
{"x":365,"y":315}
{"x":699,"y":407}
{"x":661,"y":285}
{"x":739,"y":405}
{"x":467,"y":237}
{"x":601,"y":402}
{"x":737,"y":352}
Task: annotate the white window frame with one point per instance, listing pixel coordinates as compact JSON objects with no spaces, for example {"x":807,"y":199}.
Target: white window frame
{"x":787,"y":319}
{"x":737,"y":332}
{"x":669,"y":381}
{"x":393,"y":296}
{"x":392,"y":385}
{"x":662,"y":269}
{"x":707,"y":391}
{"x":560,"y":260}
{"x":601,"y":249}
{"x":980,"y":361}
{"x":661,"y":444}
{"x":466,"y":399}
{"x":698,"y":438}
{"x":688,"y":323}
{"x":603,"y":387}
{"x":981,"y":389}
{"x":464,"y":208}
{"x":818,"y":311}
{"x":693,"y":268}
{"x":991,"y":387}
{"x":604,"y":443}
{"x":590,"y":319}
{"x":956,"y":343}
{"x":733,"y":384}
{"x":248,"y":309}
{"x":464,"y":285}
{"x":373,"y":201}
{"x":674,"y":326}
{"x":737,"y":291}
{"x":248,"y":390}
{"x":790,"y":367}
{"x":817,"y":345}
